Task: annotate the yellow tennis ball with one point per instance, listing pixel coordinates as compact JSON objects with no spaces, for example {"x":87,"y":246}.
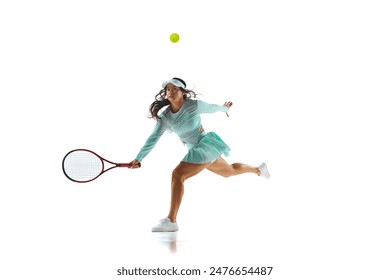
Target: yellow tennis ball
{"x":174,"y":38}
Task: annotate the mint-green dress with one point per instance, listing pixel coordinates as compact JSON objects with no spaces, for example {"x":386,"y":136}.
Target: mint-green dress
{"x":203,"y":147}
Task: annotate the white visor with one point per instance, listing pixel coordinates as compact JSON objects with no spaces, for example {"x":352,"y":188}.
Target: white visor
{"x":175,"y":82}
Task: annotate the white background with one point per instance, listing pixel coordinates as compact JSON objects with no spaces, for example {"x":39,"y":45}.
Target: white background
{"x":308,"y":80}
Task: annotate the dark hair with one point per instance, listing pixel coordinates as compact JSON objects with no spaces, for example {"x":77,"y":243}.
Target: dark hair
{"x":161,"y":101}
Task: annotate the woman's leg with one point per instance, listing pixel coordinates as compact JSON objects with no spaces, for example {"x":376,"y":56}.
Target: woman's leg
{"x":181,"y":173}
{"x":221,"y":167}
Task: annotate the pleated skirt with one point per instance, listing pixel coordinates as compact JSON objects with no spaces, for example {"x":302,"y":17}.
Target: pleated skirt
{"x":208,"y":149}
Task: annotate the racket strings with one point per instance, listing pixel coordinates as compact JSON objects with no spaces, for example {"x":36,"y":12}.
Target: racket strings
{"x":82,"y":166}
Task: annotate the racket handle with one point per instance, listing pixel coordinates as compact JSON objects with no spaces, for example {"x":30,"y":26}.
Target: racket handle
{"x":128,"y":165}
{"x":124,"y":165}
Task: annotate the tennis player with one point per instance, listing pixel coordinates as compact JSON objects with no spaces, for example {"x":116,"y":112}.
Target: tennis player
{"x":182,"y":117}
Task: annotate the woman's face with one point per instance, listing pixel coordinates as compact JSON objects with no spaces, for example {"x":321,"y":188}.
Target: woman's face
{"x":174,"y":93}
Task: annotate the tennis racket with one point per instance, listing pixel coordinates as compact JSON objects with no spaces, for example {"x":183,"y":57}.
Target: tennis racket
{"x":84,"y":166}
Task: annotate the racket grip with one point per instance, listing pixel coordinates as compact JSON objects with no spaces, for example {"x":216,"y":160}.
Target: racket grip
{"x":128,"y":165}
{"x":124,"y":165}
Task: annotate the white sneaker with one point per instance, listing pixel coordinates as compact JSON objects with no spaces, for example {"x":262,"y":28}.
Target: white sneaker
{"x":264,"y":171}
{"x":165,"y":225}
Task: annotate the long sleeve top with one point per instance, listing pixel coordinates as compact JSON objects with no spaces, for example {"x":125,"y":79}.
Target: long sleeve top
{"x":186,"y":123}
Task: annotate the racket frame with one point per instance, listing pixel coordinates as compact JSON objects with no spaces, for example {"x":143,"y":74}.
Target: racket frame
{"x":103,"y":160}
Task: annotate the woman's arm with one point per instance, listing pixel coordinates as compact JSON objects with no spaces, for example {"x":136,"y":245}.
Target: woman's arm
{"x":152,"y":140}
{"x":205,"y":107}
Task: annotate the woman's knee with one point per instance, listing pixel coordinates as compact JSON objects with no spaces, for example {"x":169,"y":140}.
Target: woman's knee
{"x":225,"y":172}
{"x":186,"y":170}
{"x":230,"y":170}
{"x":178,"y":175}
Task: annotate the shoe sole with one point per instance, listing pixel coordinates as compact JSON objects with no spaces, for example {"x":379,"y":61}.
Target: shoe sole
{"x":164,"y":230}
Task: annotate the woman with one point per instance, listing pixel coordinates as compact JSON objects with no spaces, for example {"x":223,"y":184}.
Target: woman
{"x":182,"y":116}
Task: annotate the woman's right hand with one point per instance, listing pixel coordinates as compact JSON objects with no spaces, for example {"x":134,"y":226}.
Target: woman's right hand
{"x":135,"y":164}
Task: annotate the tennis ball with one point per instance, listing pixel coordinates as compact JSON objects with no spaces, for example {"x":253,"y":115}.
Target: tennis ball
{"x":174,"y":38}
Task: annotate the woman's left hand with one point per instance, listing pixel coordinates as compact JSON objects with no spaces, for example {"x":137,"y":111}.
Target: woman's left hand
{"x":228,"y":104}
